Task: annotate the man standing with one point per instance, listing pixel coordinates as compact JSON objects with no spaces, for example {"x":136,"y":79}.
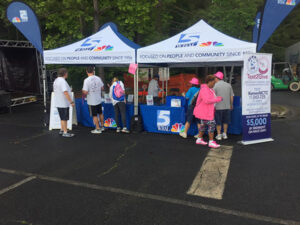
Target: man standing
{"x":223,"y":108}
{"x":92,"y":87}
{"x":153,"y":89}
{"x":63,"y":100}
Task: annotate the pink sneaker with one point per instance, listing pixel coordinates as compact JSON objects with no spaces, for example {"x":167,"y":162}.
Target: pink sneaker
{"x":200,"y":141}
{"x":213,"y":144}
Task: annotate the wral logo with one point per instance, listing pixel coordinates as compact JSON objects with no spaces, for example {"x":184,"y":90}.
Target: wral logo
{"x":93,"y":45}
{"x":23,"y":17}
{"x":287,"y":2}
{"x":188,"y":40}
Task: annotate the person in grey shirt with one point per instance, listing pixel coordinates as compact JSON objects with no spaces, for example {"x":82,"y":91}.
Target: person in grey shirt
{"x":223,"y":108}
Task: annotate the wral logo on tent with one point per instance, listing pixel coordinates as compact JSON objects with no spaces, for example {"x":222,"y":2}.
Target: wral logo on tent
{"x":93,"y":45}
{"x":188,"y":40}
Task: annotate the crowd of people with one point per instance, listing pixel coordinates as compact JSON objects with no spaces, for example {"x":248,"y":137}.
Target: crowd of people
{"x":210,"y":107}
{"x":209,"y":104}
{"x":92,"y":90}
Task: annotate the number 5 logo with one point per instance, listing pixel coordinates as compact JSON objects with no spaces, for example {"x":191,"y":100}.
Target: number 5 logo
{"x":189,"y":38}
{"x":163,"y":118}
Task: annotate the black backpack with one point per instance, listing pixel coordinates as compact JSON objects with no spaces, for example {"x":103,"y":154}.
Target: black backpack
{"x":136,"y":124}
{"x":194,"y":100}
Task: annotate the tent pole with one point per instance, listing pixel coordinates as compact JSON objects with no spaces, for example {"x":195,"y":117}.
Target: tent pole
{"x":167,"y":80}
{"x":136,"y":92}
{"x":44,"y":90}
{"x":231,"y":74}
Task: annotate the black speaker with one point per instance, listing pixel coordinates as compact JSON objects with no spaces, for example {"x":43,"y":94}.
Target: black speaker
{"x":136,"y":124}
{"x":5,"y":101}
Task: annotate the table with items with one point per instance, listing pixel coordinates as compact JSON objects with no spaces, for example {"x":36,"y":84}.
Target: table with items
{"x":168,"y":118}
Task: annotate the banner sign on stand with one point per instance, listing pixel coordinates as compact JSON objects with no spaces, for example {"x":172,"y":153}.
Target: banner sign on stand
{"x":275,"y":11}
{"x":256,"y":98}
{"x":256,"y":28}
{"x":25,"y":20}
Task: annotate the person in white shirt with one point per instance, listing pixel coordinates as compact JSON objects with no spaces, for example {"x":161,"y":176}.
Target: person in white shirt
{"x":92,"y":87}
{"x":63,"y":100}
{"x":119,"y":105}
{"x":153,"y":89}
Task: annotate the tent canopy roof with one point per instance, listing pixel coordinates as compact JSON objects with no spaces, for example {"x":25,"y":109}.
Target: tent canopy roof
{"x":198,"y":45}
{"x":106,"y":47}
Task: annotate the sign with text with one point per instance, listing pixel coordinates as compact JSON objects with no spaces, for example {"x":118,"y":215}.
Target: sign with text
{"x":55,"y":119}
{"x":149,"y":99}
{"x":256,"y":98}
{"x":163,"y":120}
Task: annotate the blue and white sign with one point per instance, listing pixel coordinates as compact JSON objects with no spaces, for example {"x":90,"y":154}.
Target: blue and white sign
{"x":163,"y":120}
{"x":25,"y":20}
{"x":256,"y":98}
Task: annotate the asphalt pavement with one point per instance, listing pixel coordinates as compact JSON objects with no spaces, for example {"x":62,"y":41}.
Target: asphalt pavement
{"x":142,"y":178}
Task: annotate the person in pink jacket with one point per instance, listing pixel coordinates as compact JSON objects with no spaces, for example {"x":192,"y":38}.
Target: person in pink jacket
{"x":205,"y":111}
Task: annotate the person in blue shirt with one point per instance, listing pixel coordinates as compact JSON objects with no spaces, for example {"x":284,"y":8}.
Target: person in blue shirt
{"x":190,"y":118}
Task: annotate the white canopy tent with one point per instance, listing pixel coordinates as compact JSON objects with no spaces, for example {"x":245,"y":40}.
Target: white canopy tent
{"x":199,"y":45}
{"x":107,"y":47}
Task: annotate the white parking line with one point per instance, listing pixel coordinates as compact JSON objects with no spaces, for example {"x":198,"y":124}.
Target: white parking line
{"x":17,"y":185}
{"x":229,"y":212}
{"x":211,"y":178}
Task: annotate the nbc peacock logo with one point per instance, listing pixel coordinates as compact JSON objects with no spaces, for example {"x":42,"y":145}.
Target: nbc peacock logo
{"x":16,"y":20}
{"x":210,"y":43}
{"x":104,"y":48}
{"x":177,"y":128}
{"x":110,"y":122}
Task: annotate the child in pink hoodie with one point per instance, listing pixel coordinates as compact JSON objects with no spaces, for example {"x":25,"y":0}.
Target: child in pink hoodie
{"x":205,"y":111}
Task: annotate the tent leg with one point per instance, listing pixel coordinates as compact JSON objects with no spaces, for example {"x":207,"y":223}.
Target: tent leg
{"x":231,"y":74}
{"x":136,"y":92}
{"x":167,"y":80}
{"x":225,"y":73}
{"x":45,"y":95}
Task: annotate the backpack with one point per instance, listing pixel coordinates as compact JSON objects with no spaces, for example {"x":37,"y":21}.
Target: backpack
{"x":118,"y":92}
{"x":194,"y":100}
{"x":136,"y":124}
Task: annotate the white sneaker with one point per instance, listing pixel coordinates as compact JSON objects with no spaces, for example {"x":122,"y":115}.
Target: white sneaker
{"x":213,"y":144}
{"x":102,"y":129}
{"x":224,"y":136}
{"x":118,"y":129}
{"x":96,"y":131}
{"x":125,"y":130}
{"x":183,"y":135}
{"x":219,"y":137}
{"x":68,"y":135}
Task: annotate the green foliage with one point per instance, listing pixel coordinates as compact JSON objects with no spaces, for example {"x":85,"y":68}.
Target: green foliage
{"x":149,"y":21}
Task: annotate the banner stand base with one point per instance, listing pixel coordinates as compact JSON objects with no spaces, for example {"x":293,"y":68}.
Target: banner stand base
{"x":257,"y":141}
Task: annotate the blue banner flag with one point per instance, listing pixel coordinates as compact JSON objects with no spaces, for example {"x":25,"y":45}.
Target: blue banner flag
{"x":275,"y":12}
{"x":256,"y":28}
{"x":25,"y":20}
